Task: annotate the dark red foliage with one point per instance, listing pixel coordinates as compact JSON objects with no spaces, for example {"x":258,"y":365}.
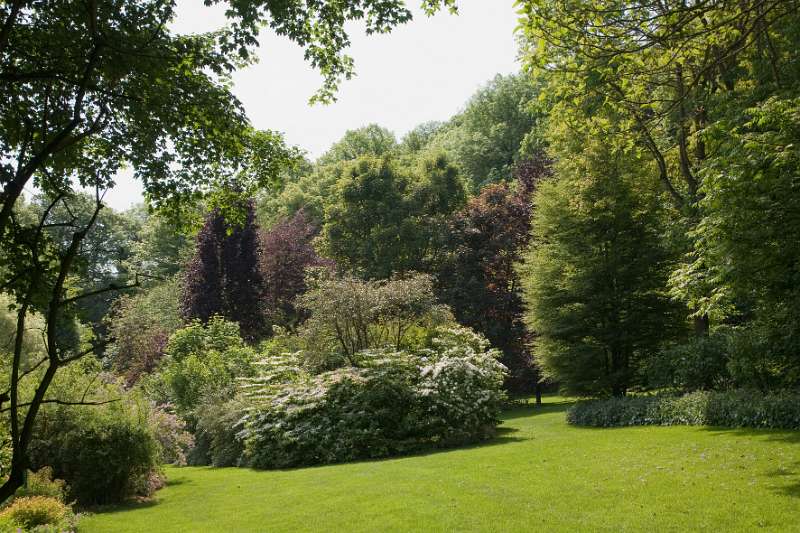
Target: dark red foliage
{"x":286,"y":254}
{"x":478,"y":280}
{"x":223,"y":278}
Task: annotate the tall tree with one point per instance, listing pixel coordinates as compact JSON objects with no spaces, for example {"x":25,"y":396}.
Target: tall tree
{"x":223,"y":278}
{"x":478,"y":279}
{"x":594,"y":278}
{"x":286,"y":253}
{"x":385,"y":219}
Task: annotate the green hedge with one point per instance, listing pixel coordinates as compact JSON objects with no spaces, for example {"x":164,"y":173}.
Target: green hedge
{"x":735,"y":408}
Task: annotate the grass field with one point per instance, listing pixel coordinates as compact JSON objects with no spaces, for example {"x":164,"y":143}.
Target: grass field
{"x":539,"y":474}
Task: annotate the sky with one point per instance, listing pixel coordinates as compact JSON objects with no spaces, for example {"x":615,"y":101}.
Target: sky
{"x":425,"y":70}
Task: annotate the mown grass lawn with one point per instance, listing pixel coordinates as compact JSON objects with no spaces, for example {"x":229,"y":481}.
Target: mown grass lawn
{"x":539,"y":474}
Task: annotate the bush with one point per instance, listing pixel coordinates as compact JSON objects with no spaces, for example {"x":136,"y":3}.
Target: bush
{"x":41,"y":483}
{"x":170,"y":432}
{"x":202,"y":362}
{"x":217,"y":434}
{"x":33,"y":511}
{"x":392,"y":402}
{"x":105,"y":453}
{"x":735,"y":408}
{"x":701,"y":363}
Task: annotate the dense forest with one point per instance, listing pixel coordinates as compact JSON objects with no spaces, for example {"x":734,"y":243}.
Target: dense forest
{"x":617,"y":221}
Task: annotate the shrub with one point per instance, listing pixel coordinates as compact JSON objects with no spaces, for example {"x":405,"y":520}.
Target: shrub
{"x":697,"y":364}
{"x":33,"y":511}
{"x":202,"y":362}
{"x":218,"y":442}
{"x":105,"y":453}
{"x":735,"y":408}
{"x":41,"y":483}
{"x":389,"y":403}
{"x":170,"y":432}
{"x":349,"y":315}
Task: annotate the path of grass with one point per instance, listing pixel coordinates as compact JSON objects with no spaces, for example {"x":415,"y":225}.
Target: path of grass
{"x":540,"y":474}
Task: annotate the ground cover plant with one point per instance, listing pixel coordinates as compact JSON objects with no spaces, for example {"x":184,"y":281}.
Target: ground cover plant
{"x":539,"y":473}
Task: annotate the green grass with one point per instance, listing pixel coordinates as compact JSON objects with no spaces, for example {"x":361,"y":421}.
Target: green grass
{"x":539,"y":474}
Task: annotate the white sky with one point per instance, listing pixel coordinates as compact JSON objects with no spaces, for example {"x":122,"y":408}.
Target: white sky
{"x":424,"y":70}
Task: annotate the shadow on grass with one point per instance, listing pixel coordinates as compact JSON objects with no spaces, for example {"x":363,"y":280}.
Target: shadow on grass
{"x":786,"y":480}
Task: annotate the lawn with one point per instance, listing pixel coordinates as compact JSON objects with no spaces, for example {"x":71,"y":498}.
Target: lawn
{"x":539,"y":474}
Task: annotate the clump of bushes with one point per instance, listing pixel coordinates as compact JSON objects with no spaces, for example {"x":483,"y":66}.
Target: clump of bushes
{"x":105,"y":453}
{"x":734,"y":408}
{"x":40,"y":513}
{"x":388,"y":402}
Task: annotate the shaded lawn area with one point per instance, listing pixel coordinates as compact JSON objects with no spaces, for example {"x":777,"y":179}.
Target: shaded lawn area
{"x":539,"y":473}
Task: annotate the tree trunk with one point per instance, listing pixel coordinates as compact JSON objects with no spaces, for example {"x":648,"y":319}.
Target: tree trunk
{"x":701,"y":326}
{"x":538,"y":392}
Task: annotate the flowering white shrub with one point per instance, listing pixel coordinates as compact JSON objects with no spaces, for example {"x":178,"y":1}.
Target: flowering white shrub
{"x":392,"y":402}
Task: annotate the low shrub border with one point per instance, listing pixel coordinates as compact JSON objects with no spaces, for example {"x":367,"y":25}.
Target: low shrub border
{"x":735,"y":408}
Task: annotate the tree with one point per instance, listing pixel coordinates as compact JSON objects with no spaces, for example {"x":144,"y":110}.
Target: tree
{"x":594,"y":277}
{"x":224,"y":278}
{"x":486,"y":138}
{"x":140,"y":325}
{"x":658,"y":77}
{"x":384,"y":219}
{"x":371,"y":140}
{"x":286,"y":254}
{"x":349,"y":315}
{"x":88,"y":87}
{"x":478,"y":279}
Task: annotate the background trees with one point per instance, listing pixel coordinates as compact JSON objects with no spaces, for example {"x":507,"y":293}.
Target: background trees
{"x":478,"y":277}
{"x":224,"y":277}
{"x":383,"y":219}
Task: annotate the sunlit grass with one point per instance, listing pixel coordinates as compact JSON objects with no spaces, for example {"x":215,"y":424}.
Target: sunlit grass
{"x":539,"y":474}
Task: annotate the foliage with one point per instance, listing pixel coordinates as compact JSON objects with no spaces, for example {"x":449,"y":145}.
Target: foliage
{"x":391,"y":403}
{"x":286,"y":254}
{"x":140,"y":325}
{"x":486,"y":138}
{"x":595,"y":276}
{"x":158,"y":251}
{"x":733,"y":408}
{"x":698,"y":363}
{"x":371,"y":140}
{"x":42,"y":483}
{"x":384,"y":221}
{"x":202,"y":362}
{"x":174,"y":441}
{"x":105,"y":453}
{"x":218,"y":434}
{"x":478,"y":279}
{"x":745,"y":257}
{"x":33,"y":511}
{"x":347,"y":316}
{"x":224,"y":278}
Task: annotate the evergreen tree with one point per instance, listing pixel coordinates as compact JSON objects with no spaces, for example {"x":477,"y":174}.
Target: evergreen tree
{"x":594,"y":278}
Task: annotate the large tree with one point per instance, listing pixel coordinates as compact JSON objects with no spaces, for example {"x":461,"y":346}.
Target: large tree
{"x":594,"y":278}
{"x":89,"y":86}
{"x":286,"y":254}
{"x":657,"y":77}
{"x":386,"y":219}
{"x":477,"y":278}
{"x":223,"y":278}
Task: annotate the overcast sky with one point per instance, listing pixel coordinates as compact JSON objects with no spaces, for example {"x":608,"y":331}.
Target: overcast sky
{"x":425,"y":70}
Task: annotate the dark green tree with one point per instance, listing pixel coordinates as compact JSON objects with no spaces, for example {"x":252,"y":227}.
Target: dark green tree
{"x":594,"y":278}
{"x":385,"y":219}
